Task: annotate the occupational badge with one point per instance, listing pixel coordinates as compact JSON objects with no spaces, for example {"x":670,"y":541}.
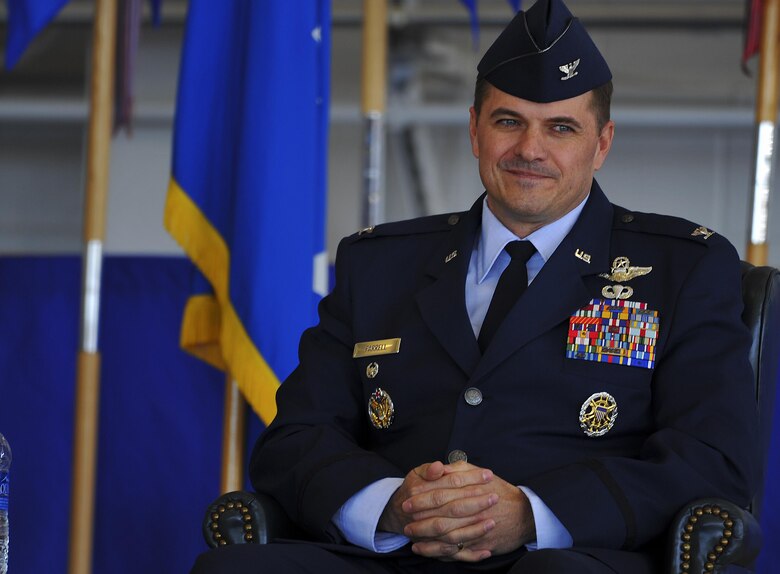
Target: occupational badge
{"x":372,"y":370}
{"x":617,"y":291}
{"x":598,"y":414}
{"x":380,"y":409}
{"x":614,"y":331}
{"x":623,"y":271}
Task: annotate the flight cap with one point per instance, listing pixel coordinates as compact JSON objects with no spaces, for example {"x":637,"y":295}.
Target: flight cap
{"x":544,"y":55}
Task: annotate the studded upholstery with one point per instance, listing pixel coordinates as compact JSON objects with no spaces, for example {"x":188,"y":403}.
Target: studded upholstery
{"x":710,"y":535}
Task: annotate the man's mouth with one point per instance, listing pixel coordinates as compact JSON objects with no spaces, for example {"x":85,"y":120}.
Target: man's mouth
{"x":527,"y":172}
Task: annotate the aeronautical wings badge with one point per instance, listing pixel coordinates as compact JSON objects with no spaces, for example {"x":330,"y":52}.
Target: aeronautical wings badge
{"x":623,"y":271}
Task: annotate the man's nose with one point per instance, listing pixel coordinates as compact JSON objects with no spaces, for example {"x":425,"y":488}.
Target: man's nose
{"x":530,"y":145}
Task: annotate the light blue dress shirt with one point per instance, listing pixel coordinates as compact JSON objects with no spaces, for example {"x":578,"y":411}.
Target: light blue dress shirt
{"x":359,"y":516}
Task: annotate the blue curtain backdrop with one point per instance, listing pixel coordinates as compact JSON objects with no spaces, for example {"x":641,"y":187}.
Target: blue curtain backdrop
{"x":160,"y":415}
{"x":160,"y":419}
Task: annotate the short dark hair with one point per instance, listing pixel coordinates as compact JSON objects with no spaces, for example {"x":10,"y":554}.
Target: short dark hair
{"x":601,"y":100}
{"x":480,"y":93}
{"x":600,"y":103}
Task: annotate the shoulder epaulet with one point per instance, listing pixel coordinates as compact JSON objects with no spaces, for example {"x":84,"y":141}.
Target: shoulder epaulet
{"x":656,"y":224}
{"x":429,"y":224}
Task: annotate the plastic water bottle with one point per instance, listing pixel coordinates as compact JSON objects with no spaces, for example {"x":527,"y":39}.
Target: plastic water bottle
{"x":5,"y":464}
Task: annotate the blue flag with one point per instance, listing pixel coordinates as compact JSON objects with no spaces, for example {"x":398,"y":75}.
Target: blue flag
{"x":25,"y":19}
{"x":248,"y":190}
{"x":471,"y":6}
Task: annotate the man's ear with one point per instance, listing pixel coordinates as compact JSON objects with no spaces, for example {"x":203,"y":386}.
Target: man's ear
{"x":604,"y":144}
{"x":473,"y":131}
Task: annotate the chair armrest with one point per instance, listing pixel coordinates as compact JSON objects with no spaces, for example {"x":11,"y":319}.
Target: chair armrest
{"x":241,"y":517}
{"x":710,"y":534}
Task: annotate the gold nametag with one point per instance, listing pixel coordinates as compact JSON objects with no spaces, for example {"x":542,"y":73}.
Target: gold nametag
{"x":371,"y":348}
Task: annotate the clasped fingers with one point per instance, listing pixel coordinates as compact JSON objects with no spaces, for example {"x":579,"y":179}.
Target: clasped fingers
{"x":452,"y":480}
{"x":449,"y":530}
{"x":449,"y":503}
{"x":454,"y":544}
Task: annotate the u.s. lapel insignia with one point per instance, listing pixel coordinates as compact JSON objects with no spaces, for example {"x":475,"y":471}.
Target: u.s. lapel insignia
{"x":569,"y":69}
{"x":702,"y":231}
{"x":598,"y":414}
{"x":623,"y":271}
{"x":372,"y":370}
{"x":580,"y":254}
{"x":617,"y":292}
{"x":380,"y":409}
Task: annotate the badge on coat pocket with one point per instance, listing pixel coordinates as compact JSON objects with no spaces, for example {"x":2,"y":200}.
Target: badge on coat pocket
{"x":614,"y":331}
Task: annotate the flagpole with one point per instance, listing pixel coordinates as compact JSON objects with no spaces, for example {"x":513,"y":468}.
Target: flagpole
{"x":766,"y":116}
{"x":88,"y":363}
{"x":233,"y":440}
{"x":374,"y":87}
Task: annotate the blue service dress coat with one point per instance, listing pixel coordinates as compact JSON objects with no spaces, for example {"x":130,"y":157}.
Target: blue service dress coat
{"x":685,"y":424}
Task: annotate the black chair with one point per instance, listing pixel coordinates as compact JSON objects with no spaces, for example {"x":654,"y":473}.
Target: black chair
{"x":708,"y":535}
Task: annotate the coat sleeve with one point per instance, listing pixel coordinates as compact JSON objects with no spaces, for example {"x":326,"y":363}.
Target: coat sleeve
{"x":311,"y":458}
{"x":704,"y":436}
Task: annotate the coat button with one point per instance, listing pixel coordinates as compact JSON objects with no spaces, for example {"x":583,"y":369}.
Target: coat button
{"x":457,"y":455}
{"x":453,"y":219}
{"x":627,"y":218}
{"x":473,"y":396}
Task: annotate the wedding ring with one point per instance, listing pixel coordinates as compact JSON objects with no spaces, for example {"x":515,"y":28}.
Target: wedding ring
{"x":460,"y":546}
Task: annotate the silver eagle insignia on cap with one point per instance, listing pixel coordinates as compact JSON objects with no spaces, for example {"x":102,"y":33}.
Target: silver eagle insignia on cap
{"x":569,"y":69}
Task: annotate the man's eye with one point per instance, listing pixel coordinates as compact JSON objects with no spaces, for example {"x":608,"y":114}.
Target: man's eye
{"x":562,"y":128}
{"x":509,"y":122}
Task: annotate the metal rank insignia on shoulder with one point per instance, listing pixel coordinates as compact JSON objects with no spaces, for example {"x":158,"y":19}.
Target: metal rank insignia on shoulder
{"x":598,"y":414}
{"x":614,"y":331}
{"x":380,"y":409}
{"x":702,"y":232}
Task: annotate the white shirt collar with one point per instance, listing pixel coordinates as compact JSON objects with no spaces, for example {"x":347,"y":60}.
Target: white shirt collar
{"x":494,"y":236}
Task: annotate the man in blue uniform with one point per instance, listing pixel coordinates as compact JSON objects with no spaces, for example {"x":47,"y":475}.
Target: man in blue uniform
{"x":535,"y":385}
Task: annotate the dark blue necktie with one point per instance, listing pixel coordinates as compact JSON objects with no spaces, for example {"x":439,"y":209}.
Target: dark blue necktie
{"x":512,"y":284}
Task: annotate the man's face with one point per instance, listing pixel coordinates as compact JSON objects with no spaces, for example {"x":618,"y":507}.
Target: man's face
{"x":536,"y":161}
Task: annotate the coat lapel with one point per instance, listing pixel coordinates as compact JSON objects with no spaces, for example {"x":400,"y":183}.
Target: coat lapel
{"x":559,"y":288}
{"x":442,"y":304}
